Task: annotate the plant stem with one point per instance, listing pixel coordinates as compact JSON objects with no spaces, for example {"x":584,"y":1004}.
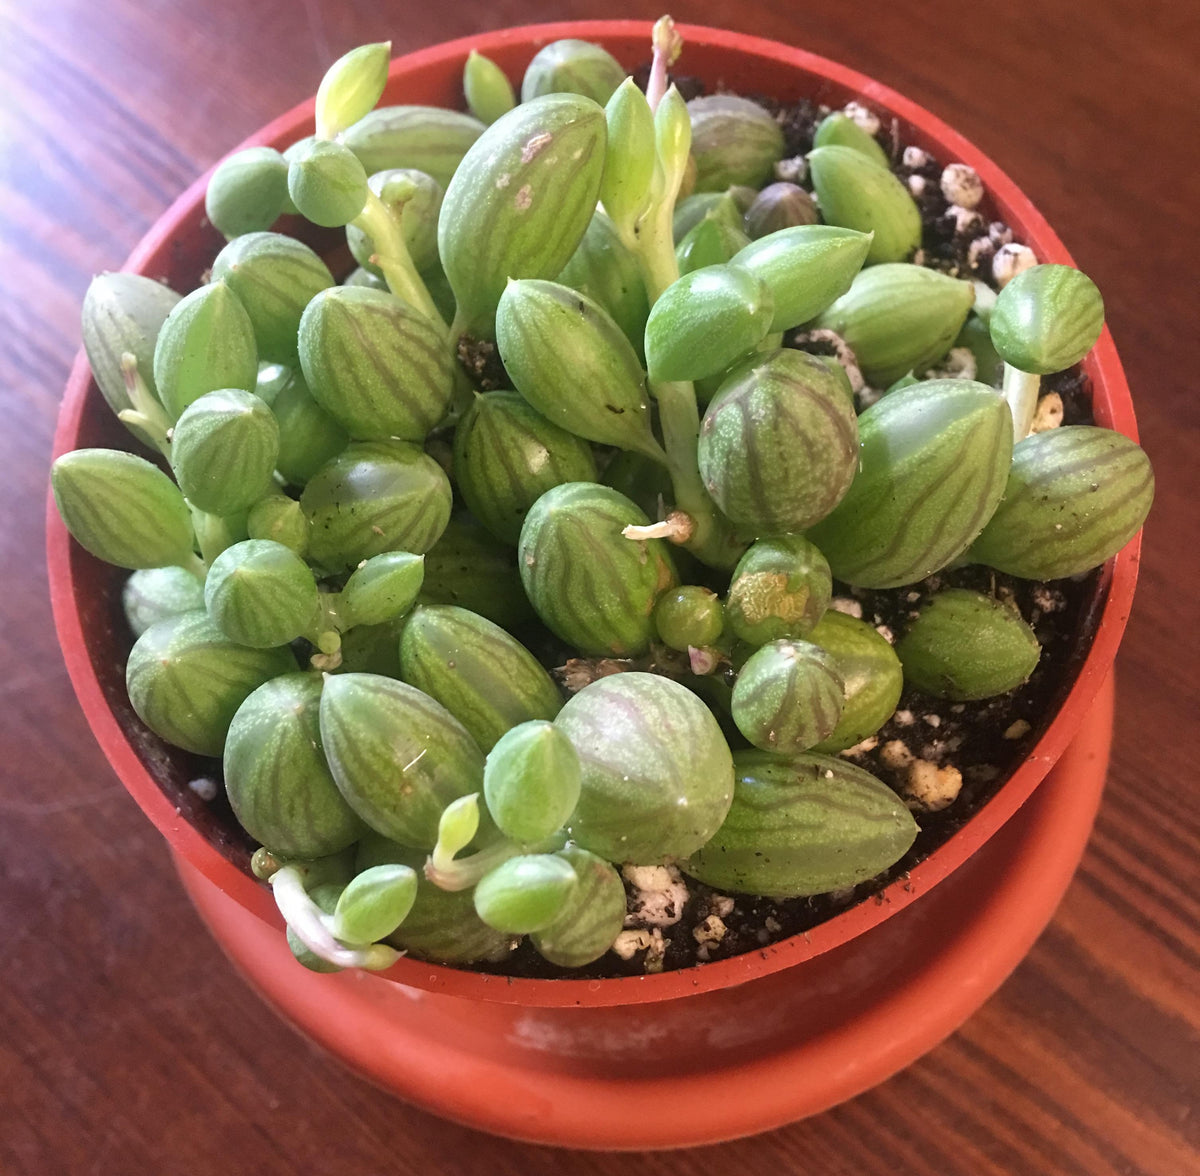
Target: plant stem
{"x":711,"y":539}
{"x":1021,"y":392}
{"x":392,"y":256}
{"x":307,"y":922}
{"x":146,"y":413}
{"x":463,"y":873}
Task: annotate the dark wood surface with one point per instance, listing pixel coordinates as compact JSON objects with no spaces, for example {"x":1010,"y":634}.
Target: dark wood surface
{"x":127,"y":1044}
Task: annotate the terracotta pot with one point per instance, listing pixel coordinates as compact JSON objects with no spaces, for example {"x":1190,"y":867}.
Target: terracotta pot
{"x":212,"y":852}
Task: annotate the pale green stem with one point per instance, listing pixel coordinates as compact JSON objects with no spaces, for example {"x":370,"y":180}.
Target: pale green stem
{"x":212,"y":532}
{"x":197,"y":567}
{"x":146,"y":412}
{"x":326,"y":631}
{"x":308,"y":923}
{"x":392,"y":257}
{"x":652,"y":242}
{"x":1021,"y":392}
{"x":463,"y":873}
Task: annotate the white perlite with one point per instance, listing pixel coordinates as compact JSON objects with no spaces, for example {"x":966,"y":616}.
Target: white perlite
{"x":916,"y":185}
{"x":204,"y":788}
{"x":793,"y":170}
{"x":930,"y":788}
{"x":967,"y":222}
{"x":867,"y":120}
{"x":914,"y":158}
{"x":959,"y":364}
{"x":961,"y":185}
{"x":847,"y":605}
{"x":1049,"y":414}
{"x":628,"y":943}
{"x":1011,"y":260}
{"x":660,"y":894}
{"x":710,"y":932}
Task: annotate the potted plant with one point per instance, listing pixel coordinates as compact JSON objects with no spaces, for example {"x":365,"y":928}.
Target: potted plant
{"x":686,"y":1011}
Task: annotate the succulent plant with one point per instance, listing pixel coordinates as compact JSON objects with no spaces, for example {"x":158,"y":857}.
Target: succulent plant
{"x":276,"y":776}
{"x":421,"y":786}
{"x":780,"y":588}
{"x":590,"y":584}
{"x":779,"y":443}
{"x":933,"y":461}
{"x":803,"y":825}
{"x":657,"y":773}
{"x":506,"y":455}
{"x":964,"y":646}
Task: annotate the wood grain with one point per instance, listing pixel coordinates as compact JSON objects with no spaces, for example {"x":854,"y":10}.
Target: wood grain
{"x":127,"y":1045}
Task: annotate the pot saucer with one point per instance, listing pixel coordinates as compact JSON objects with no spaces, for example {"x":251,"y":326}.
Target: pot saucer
{"x":719,"y":1064}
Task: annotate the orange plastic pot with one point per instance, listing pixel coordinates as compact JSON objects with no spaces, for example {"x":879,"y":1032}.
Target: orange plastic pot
{"x":856,"y":988}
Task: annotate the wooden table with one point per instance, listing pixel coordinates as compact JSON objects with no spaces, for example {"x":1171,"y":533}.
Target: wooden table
{"x":127,"y":1045}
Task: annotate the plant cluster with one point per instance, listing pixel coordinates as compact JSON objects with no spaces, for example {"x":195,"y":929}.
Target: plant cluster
{"x":325,"y":594}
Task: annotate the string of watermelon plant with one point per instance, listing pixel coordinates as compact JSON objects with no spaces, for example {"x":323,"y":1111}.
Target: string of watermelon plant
{"x":427,"y":784}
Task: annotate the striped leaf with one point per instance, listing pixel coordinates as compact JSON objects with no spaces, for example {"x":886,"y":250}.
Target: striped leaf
{"x":223,"y":451}
{"x":380,"y":368}
{"x":591,"y":918}
{"x":1075,"y":496}
{"x":788,"y":696}
{"x":570,"y":360}
{"x":398,"y":757}
{"x":778,"y":444}
{"x":260,"y":593}
{"x":206,"y":343}
{"x":588,"y":583}
{"x":780,"y":588}
{"x":606,"y":271}
{"x":966,"y":646}
{"x":308,"y":435}
{"x":469,"y":567}
{"x":806,"y":268}
{"x":506,"y":455}
{"x":521,"y":202}
{"x":933,"y":462}
{"x":657,"y":772}
{"x":483,"y":676}
{"x":374,"y":497}
{"x":426,"y":138}
{"x":804,"y":825}
{"x":278,"y":782}
{"x":734,"y":141}
{"x":186,"y":680}
{"x":1047,"y":318}
{"x":870,"y":673}
{"x":122,"y":509}
{"x":899,"y":318}
{"x":275,"y":277}
{"x":123,"y":313}
{"x":856,"y":192}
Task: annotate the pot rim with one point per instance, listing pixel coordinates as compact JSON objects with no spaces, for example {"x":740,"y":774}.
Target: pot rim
{"x":1113,"y":407}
